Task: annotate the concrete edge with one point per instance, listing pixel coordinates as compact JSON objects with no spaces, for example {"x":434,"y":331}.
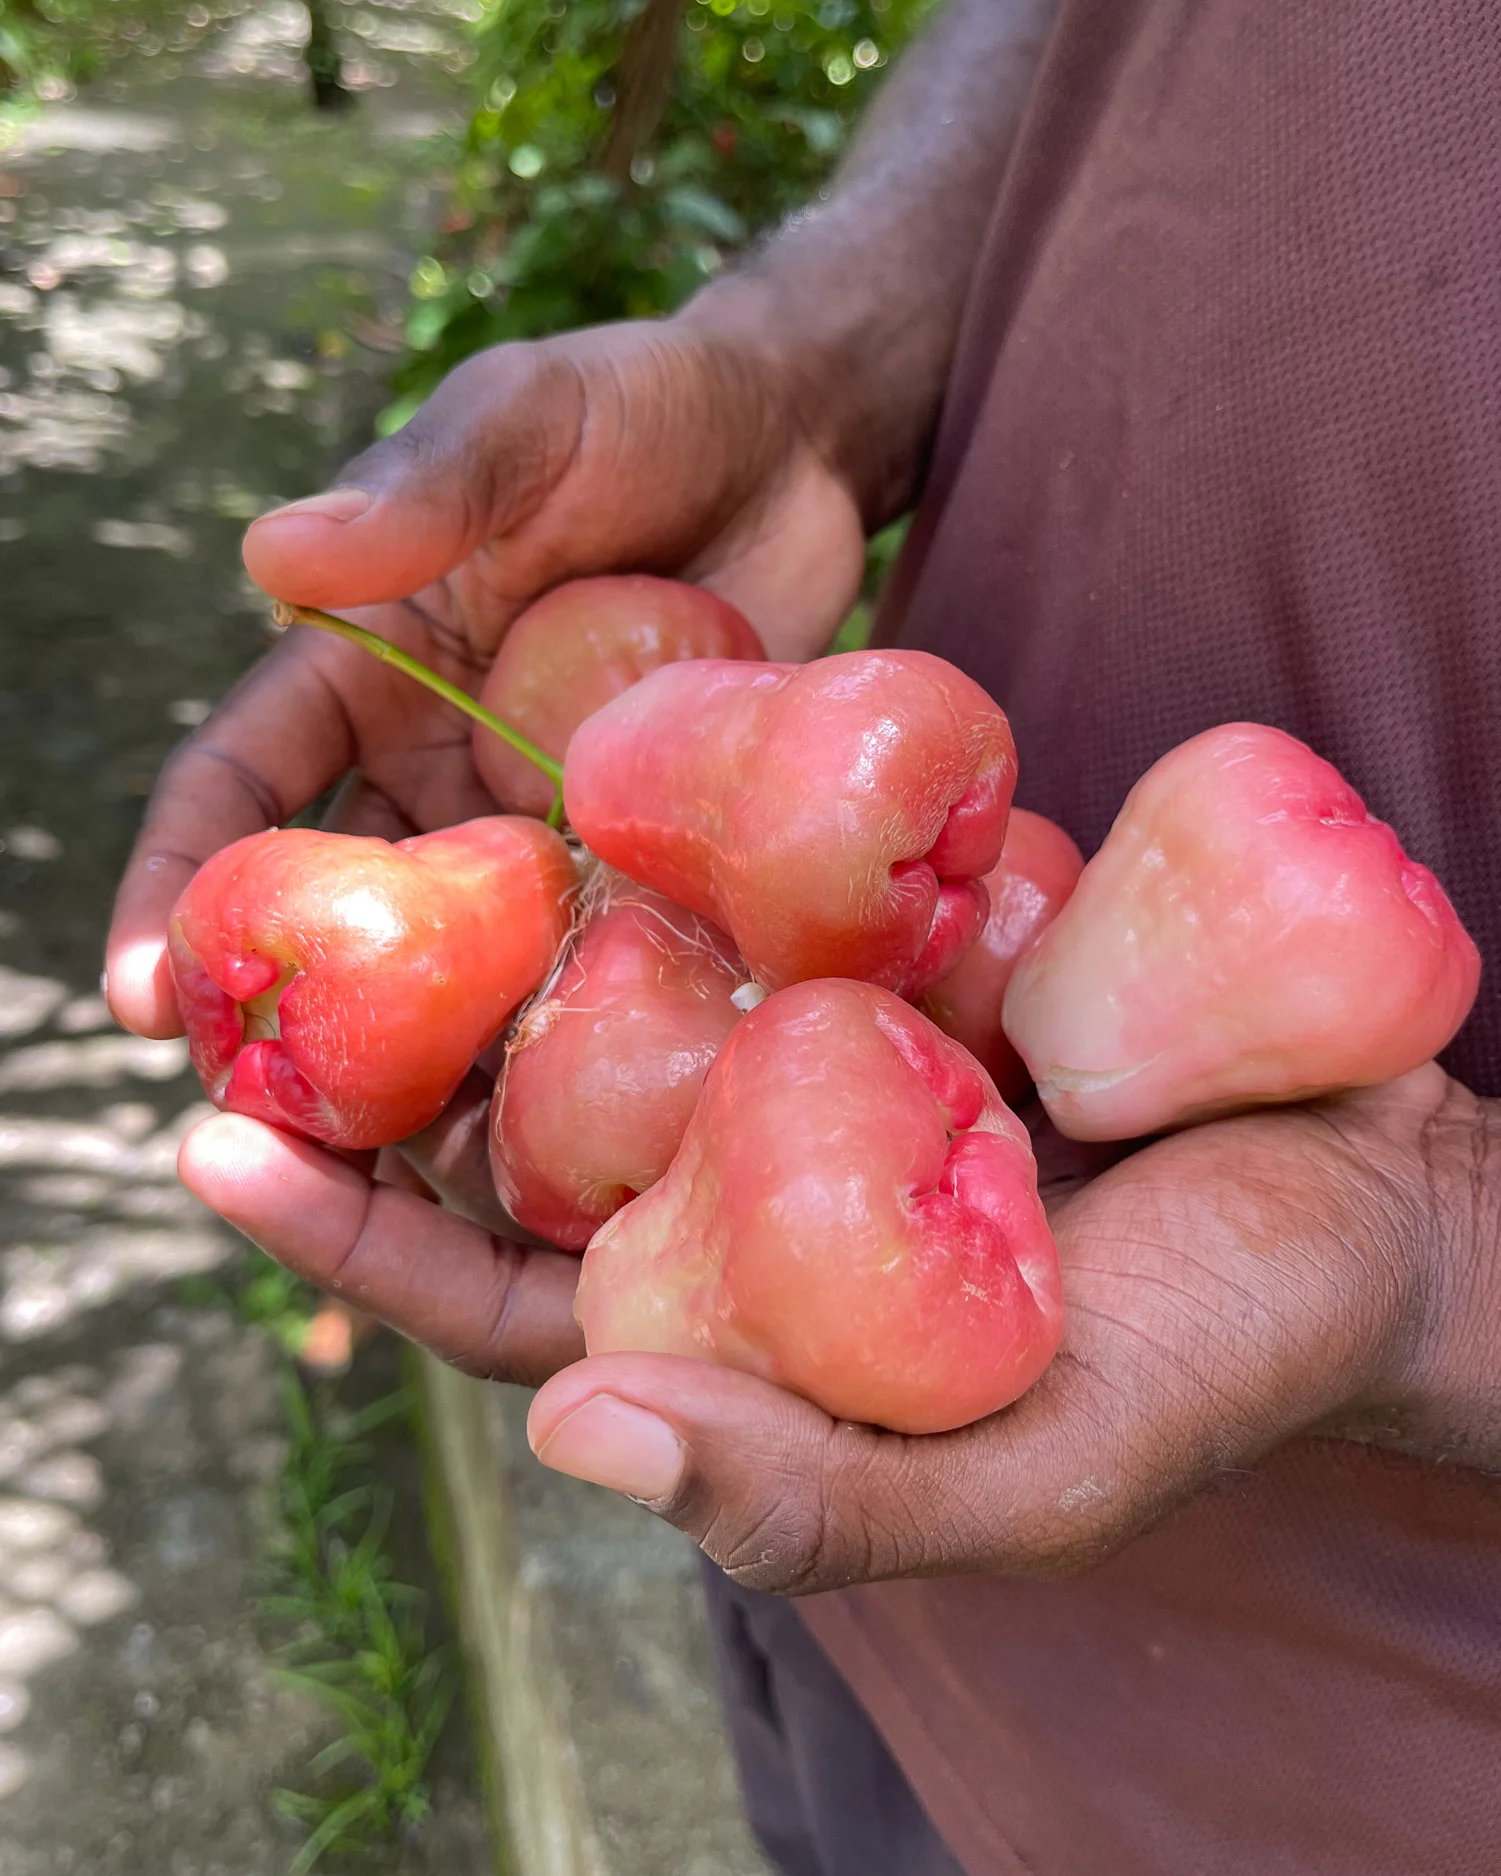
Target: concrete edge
{"x":584,"y":1631}
{"x":527,"y":1759}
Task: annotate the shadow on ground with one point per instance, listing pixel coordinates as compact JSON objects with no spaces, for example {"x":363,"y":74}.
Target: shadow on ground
{"x":183,"y":259}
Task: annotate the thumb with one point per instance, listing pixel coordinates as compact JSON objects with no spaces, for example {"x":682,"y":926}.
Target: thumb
{"x":479,"y":457}
{"x":779,"y":1495}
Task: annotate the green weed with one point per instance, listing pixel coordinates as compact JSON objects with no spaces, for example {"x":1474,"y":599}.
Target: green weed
{"x":356,"y":1637}
{"x":262,"y":1293}
{"x":359,"y":1644}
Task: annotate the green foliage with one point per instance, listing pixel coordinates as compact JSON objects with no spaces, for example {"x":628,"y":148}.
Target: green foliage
{"x":49,"y":46}
{"x":356,"y":1637}
{"x":261,"y":1292}
{"x":881,"y":551}
{"x":42,"y":48}
{"x":561,"y":216}
{"x":359,"y":1644}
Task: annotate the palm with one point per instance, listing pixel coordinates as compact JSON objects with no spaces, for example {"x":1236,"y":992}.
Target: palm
{"x":1221,"y":1296}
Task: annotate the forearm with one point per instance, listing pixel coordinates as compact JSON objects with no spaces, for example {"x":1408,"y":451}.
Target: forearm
{"x":859,"y":297}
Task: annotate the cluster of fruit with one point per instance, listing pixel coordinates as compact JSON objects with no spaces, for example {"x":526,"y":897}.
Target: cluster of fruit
{"x":759,"y":1015}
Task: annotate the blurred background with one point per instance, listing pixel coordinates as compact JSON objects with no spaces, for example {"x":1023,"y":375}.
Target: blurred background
{"x":234,"y":240}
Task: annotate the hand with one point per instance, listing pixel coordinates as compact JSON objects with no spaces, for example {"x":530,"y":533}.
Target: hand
{"x":664,"y":447}
{"x":1319,"y":1269}
{"x":1230,"y":1288}
{"x":457,"y":1278}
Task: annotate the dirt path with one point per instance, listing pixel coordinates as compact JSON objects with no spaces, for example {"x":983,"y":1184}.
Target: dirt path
{"x":179,"y":258}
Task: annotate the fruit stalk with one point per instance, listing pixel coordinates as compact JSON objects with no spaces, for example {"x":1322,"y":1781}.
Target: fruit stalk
{"x":287,"y":614}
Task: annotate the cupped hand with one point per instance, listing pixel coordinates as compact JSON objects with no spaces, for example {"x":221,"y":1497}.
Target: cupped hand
{"x":660,"y":447}
{"x":1227,"y":1289}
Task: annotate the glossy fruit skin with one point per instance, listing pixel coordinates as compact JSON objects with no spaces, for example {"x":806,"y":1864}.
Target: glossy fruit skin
{"x":1038,"y":869}
{"x":604,"y":1070}
{"x":853,"y":1215}
{"x":835,"y":818}
{"x":399,"y":964}
{"x":582,"y":644}
{"x":1246,"y":934}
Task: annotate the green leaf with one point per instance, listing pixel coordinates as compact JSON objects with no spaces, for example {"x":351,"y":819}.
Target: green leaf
{"x":824,"y":130}
{"x":425,"y":323}
{"x":699,"y":209}
{"x":396,"y":416}
{"x":338,"y":1822}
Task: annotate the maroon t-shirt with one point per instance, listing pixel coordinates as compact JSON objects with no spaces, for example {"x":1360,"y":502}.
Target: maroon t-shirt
{"x":1223,"y":441}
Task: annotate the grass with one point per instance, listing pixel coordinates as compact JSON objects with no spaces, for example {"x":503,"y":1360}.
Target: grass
{"x":354,"y":1637}
{"x":359,"y":1642}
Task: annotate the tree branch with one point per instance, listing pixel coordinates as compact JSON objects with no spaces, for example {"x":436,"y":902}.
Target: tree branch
{"x":643,"y":83}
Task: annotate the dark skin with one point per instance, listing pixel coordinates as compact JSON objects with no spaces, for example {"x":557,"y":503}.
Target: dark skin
{"x":748,"y":443}
{"x":1328,"y":1269}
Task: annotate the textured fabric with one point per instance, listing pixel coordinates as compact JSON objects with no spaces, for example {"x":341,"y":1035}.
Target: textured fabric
{"x":822,"y":1791}
{"x":1224,"y":441}
{"x":1299,"y":1675}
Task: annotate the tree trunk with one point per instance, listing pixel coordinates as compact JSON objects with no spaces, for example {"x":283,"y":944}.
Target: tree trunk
{"x":643,"y":83}
{"x":325,"y":70}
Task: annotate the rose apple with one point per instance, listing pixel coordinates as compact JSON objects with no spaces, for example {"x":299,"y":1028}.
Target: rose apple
{"x":579,"y":646}
{"x":1247,"y":933}
{"x":340,"y":986}
{"x":835,"y":818}
{"x":853,"y":1214}
{"x":1038,"y":869}
{"x":603,"y":1071}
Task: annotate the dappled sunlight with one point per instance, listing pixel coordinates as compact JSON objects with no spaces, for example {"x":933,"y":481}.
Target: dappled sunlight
{"x":95,"y":1214}
{"x":85,"y":1186}
{"x":98,"y":1062}
{"x":27,"y":1002}
{"x":118,"y":299}
{"x":99,"y":132}
{"x":49,"y":427}
{"x":56,"y":1579}
{"x":265,"y":44}
{"x":120,"y":1217}
{"x":188,"y":273}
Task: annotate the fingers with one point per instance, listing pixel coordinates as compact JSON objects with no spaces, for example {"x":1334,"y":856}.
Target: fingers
{"x":358,"y":807}
{"x":787,"y":1500}
{"x":452,"y":1158}
{"x":629,"y":446}
{"x":794,"y":565}
{"x":1145,"y":1403}
{"x":482,"y":453}
{"x":289,"y":729}
{"x":488,"y":1306}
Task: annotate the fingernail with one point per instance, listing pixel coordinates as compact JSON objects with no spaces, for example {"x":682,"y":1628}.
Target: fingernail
{"x":331,"y":505}
{"x":609,"y":1442}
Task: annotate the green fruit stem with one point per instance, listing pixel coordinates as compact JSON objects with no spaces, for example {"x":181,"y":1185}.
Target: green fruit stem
{"x":287,"y":614}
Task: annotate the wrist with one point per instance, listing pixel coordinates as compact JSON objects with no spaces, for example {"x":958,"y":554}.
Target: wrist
{"x":861,"y":400}
{"x":856,"y":301}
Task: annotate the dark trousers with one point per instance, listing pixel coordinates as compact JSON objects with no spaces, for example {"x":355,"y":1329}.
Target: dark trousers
{"x":823,"y":1794}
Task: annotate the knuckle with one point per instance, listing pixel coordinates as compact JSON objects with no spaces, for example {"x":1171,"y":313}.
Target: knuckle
{"x":777,"y":1528}
{"x":781,"y":1550}
{"x":485,"y":1346}
{"x":852,"y":1511}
